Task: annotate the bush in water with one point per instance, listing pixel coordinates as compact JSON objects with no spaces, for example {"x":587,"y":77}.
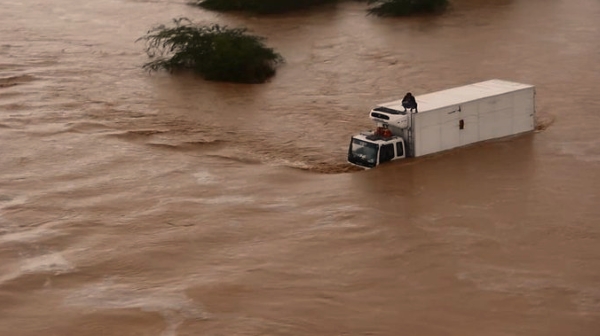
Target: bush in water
{"x":217,"y":53}
{"x":259,"y":6}
{"x":406,"y":7}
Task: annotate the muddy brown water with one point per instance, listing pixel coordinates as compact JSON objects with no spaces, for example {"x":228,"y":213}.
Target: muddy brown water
{"x":136,"y":204}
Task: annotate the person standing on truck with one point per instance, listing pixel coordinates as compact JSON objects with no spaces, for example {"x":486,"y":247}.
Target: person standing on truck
{"x":409,"y":102}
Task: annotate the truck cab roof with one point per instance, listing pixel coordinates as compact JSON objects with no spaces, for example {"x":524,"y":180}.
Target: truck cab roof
{"x":376,"y":139}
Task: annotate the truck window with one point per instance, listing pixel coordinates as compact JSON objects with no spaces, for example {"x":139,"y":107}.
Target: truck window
{"x":363,"y":153}
{"x":399,"y":148}
{"x":386,"y":153}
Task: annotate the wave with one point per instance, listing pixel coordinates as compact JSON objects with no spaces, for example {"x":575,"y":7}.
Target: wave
{"x":543,"y":121}
{"x":138,"y":136}
{"x":138,"y":133}
{"x":86,"y":127}
{"x":331,"y":168}
{"x":234,"y":158}
{"x":15,"y":80}
{"x":188,"y":146}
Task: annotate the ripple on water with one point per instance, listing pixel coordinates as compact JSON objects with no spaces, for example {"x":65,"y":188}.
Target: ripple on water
{"x":34,"y":234}
{"x":532,"y":285}
{"x":587,"y":151}
{"x":8,"y":201}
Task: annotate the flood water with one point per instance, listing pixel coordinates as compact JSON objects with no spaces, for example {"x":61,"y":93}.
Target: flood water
{"x":138,"y":204}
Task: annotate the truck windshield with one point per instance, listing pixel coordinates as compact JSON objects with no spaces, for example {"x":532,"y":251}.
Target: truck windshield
{"x":363,"y":153}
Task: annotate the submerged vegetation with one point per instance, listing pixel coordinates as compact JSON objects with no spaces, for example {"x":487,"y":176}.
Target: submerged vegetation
{"x":406,"y":7}
{"x":378,"y":7}
{"x":259,"y":6}
{"x":216,"y":52}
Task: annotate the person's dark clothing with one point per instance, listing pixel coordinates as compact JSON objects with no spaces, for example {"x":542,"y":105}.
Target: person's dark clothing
{"x":409,"y":102}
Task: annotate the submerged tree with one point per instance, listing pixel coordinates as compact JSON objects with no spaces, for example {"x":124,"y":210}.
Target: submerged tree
{"x":215,"y":52}
{"x":259,"y":6}
{"x":406,"y":7}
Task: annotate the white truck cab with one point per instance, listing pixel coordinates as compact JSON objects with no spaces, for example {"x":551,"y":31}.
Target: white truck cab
{"x":370,"y":149}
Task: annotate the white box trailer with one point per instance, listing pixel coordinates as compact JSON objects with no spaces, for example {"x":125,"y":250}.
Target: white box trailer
{"x":444,"y":120}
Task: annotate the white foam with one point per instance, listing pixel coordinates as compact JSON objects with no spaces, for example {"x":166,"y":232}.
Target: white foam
{"x":175,"y":307}
{"x":28,"y":235}
{"x":204,"y":177}
{"x":54,"y":262}
{"x":280,"y":204}
{"x":229,"y":199}
{"x":337,"y":216}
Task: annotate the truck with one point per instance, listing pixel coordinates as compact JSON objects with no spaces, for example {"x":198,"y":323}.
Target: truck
{"x":444,"y":120}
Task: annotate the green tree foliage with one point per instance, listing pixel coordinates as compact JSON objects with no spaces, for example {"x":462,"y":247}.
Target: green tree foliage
{"x":259,"y":6}
{"x":215,"y":52}
{"x":406,"y":7}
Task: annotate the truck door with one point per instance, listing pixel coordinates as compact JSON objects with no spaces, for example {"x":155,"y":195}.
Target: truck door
{"x":400,"y":153}
{"x":386,"y":153}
